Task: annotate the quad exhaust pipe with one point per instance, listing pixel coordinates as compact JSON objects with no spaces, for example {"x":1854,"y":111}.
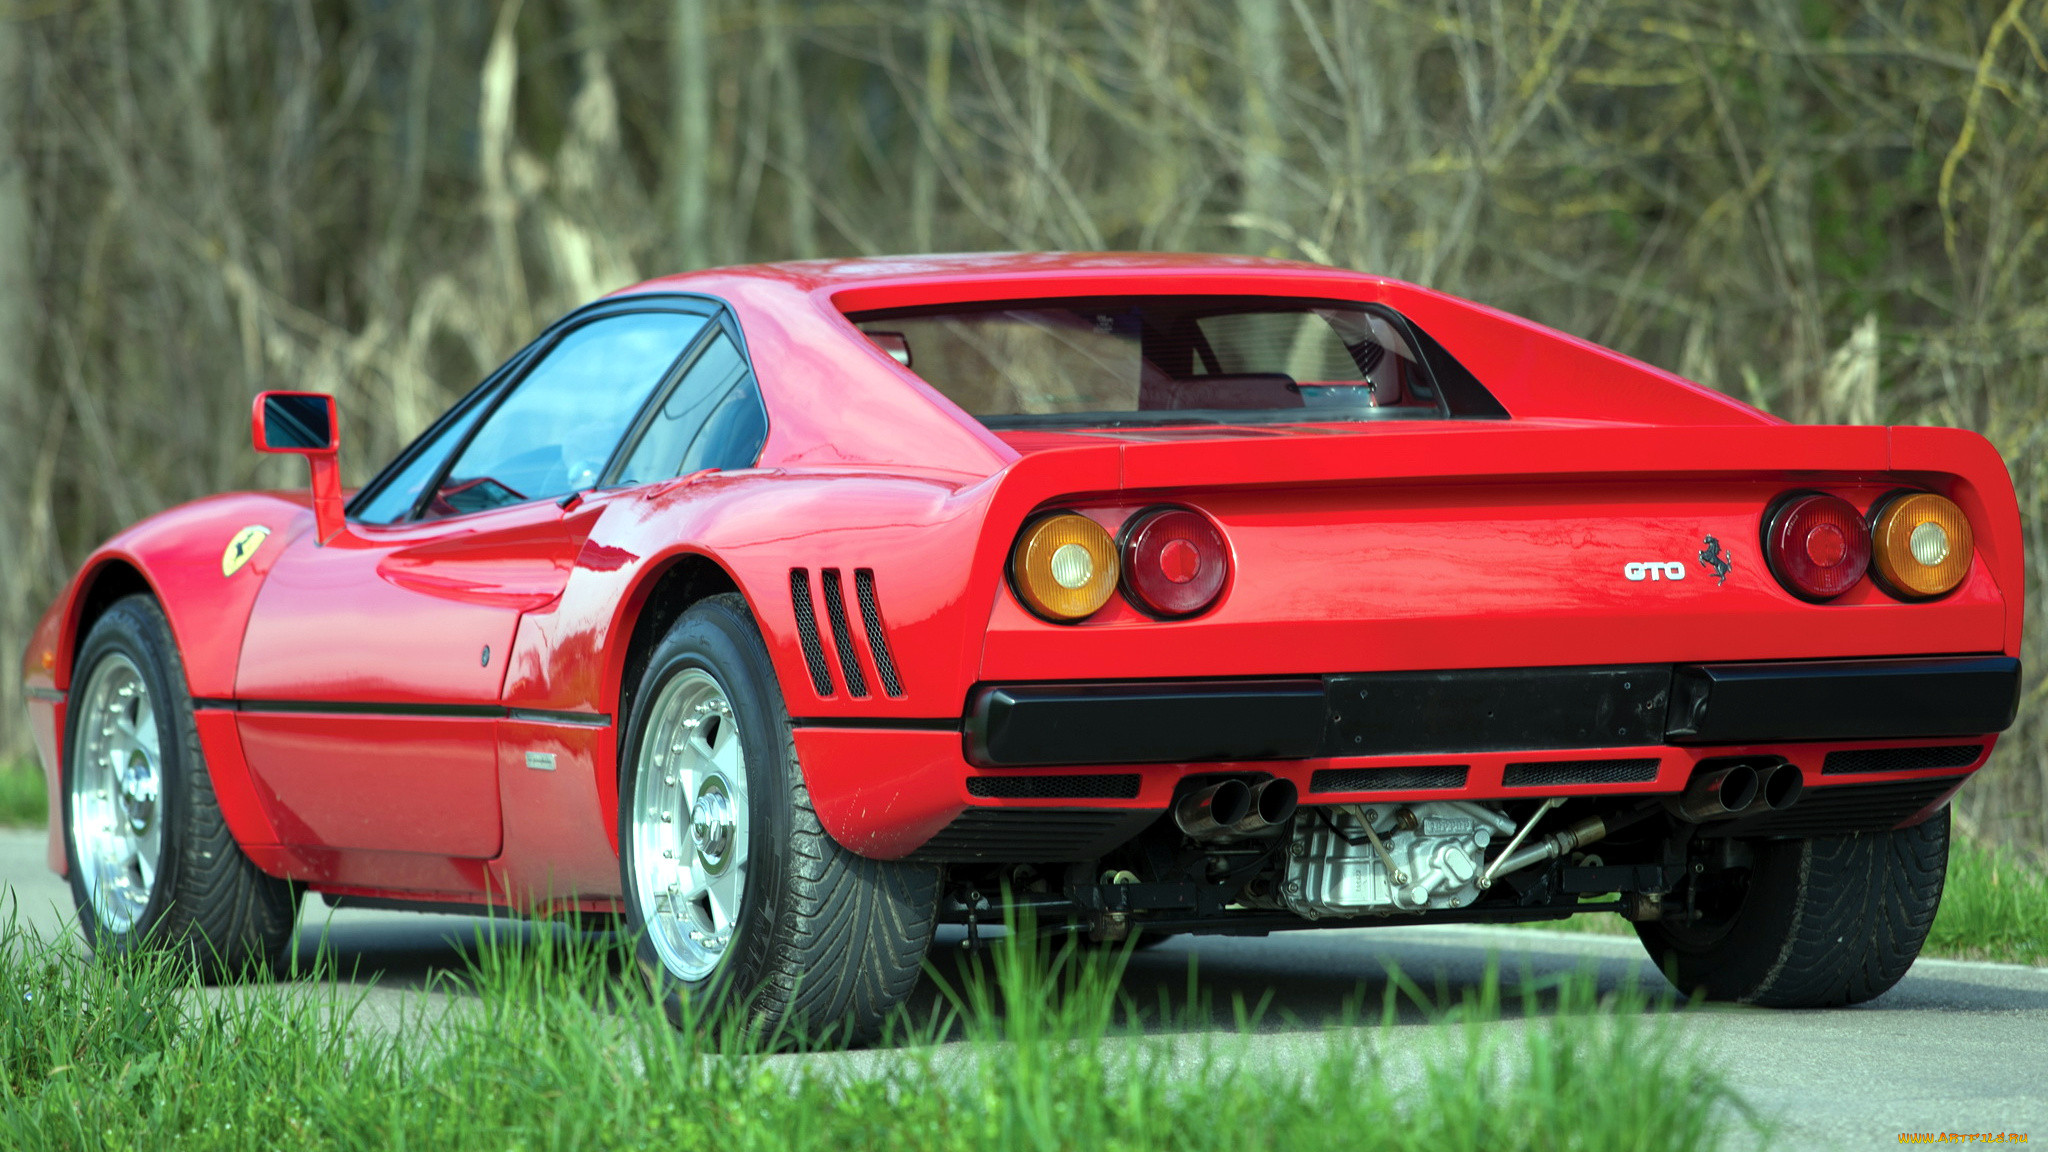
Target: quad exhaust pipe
{"x":1731,"y":791}
{"x":1235,"y":810}
{"x":1724,"y":791}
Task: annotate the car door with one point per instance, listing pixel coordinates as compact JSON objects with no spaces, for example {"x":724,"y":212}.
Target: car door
{"x":369,"y":682}
{"x":557,"y":829}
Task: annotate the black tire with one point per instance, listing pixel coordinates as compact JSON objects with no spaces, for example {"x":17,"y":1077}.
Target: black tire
{"x":826,"y":943}
{"x":206,"y":902}
{"x":1817,"y":923}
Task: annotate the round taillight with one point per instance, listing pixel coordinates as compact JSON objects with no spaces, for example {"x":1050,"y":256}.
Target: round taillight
{"x":1064,"y":566}
{"x":1920,"y":545}
{"x":1174,"y":562}
{"x":1817,"y":546}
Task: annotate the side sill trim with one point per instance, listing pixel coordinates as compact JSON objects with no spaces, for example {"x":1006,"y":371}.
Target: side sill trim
{"x":394,"y":708}
{"x":904,"y":724}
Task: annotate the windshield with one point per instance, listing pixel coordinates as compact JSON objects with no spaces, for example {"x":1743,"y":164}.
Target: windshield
{"x":1164,"y":360}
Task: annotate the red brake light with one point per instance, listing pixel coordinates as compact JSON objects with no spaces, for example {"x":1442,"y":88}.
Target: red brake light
{"x":1817,"y":546}
{"x":1174,"y":562}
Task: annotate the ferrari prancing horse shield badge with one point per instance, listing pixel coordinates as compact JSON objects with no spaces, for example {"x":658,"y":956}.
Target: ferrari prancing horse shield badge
{"x":241,"y":548}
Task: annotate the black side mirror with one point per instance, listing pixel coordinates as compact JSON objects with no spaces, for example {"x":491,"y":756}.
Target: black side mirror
{"x":300,"y":422}
{"x":304,"y":424}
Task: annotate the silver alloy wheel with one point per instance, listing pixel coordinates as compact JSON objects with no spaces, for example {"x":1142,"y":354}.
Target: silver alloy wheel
{"x":117,"y":793}
{"x":689,"y":824}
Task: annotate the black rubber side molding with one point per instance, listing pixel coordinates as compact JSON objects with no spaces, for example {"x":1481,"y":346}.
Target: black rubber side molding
{"x":1134,"y":723}
{"x":1843,"y":700}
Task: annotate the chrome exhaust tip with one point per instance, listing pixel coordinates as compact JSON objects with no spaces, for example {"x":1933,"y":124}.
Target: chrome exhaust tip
{"x":1717,"y":794}
{"x":1209,"y":813}
{"x":1272,"y":803}
{"x":1779,"y":788}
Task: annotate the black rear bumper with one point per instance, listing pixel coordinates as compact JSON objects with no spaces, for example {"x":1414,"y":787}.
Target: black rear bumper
{"x":1488,"y":710}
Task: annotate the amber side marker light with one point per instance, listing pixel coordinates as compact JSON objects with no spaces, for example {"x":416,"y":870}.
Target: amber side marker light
{"x":1920,"y":545}
{"x":1064,"y":567}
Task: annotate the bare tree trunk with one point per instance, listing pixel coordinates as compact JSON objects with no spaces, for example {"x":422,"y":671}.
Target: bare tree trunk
{"x":792,"y":132}
{"x":500,"y":83}
{"x":924,"y":172}
{"x":689,"y":67}
{"x":1264,"y":199}
{"x":19,"y":430}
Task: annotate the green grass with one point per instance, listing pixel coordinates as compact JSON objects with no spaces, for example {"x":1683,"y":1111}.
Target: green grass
{"x":556,"y":1052}
{"x":23,"y":802}
{"x":1993,"y":907}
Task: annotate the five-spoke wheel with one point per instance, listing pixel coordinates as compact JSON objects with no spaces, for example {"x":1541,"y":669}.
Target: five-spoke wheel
{"x":740,"y":903}
{"x":689,"y":838}
{"x":151,"y":860}
{"x":117,"y":792}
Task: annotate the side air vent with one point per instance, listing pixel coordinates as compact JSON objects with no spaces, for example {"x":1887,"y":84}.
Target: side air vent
{"x":1550,"y":773}
{"x":807,"y":630}
{"x":1901,"y":759}
{"x":842,"y":636}
{"x":1387,"y":779}
{"x":1120,"y":786}
{"x":878,"y":640}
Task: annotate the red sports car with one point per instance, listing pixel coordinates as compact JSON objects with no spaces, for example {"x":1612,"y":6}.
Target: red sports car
{"x":788,"y":611}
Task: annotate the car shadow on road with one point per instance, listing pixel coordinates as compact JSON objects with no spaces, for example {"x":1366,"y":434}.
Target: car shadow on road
{"x":1312,"y":981}
{"x":1295,"y":982}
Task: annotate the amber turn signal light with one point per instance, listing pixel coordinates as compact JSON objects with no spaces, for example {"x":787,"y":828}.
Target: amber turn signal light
{"x":1920,"y":545}
{"x":1064,"y":567}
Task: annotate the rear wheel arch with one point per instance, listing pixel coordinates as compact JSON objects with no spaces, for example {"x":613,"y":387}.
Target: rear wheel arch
{"x":654,"y":606}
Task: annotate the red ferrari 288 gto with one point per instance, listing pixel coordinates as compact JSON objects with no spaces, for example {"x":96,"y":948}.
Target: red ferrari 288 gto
{"x":789,"y":611}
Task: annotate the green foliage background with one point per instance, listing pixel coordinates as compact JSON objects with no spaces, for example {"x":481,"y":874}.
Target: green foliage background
{"x":1832,"y":208}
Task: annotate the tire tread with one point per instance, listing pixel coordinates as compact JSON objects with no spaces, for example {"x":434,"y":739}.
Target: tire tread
{"x":227,"y":916}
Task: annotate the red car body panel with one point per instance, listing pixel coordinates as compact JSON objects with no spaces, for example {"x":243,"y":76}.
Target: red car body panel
{"x":1398,"y":546}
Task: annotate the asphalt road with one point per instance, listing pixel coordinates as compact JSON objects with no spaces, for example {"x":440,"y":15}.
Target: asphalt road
{"x":1956,"y":1047}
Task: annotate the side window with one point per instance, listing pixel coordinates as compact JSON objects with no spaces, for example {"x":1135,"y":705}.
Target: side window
{"x":711,"y":419}
{"x":554,"y":433}
{"x":733,"y":436}
{"x":396,"y":498}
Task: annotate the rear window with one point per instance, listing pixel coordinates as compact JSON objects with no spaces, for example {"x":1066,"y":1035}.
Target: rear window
{"x":1121,"y":361}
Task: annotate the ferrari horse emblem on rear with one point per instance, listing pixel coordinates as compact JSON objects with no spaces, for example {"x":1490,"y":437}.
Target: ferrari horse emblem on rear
{"x":1713,"y":557}
{"x":242,"y":548}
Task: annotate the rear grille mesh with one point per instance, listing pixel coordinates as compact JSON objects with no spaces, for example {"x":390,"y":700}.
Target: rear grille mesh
{"x":842,"y":636}
{"x":1844,"y":809}
{"x":1120,"y":786}
{"x":1033,"y":835}
{"x":1551,"y":773}
{"x":807,"y":630}
{"x":1387,"y":779}
{"x":1901,"y":759}
{"x":878,"y":640}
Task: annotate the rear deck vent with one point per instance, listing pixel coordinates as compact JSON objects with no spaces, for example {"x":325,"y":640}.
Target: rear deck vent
{"x":807,"y":630}
{"x":1550,"y":773}
{"x":1901,"y":759}
{"x":878,"y":640}
{"x":842,"y":636}
{"x":1387,"y":779}
{"x":1122,"y":786}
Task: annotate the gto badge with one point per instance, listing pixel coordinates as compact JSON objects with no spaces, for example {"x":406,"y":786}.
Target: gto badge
{"x":242,"y":548}
{"x":1654,"y":570}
